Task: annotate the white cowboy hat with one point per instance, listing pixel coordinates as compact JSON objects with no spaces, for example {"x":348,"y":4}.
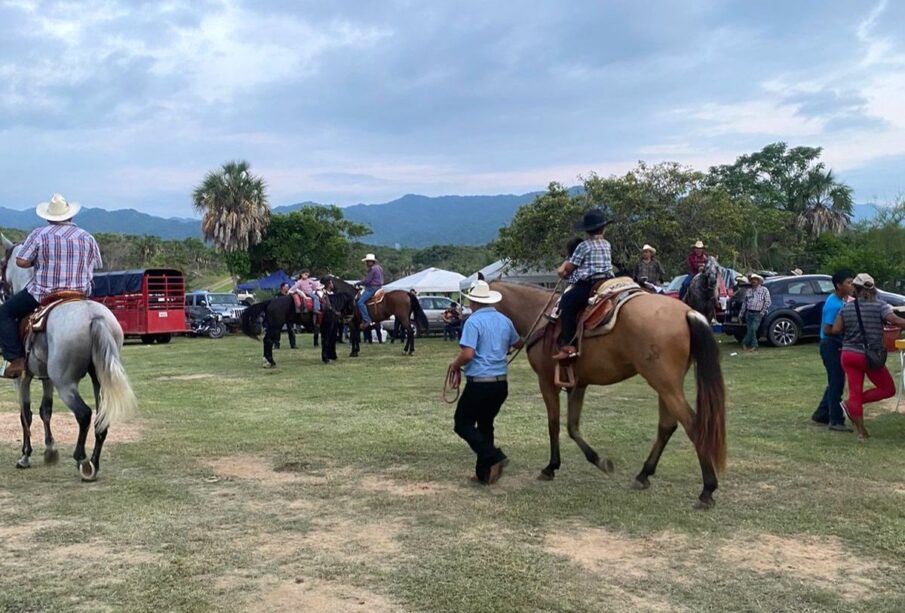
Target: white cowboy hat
{"x":647,"y":247}
{"x":698,"y":245}
{"x":863,"y":280}
{"x":481,"y":292}
{"x":756,"y":276}
{"x":369,"y":258}
{"x":742,"y":280}
{"x":58,"y":209}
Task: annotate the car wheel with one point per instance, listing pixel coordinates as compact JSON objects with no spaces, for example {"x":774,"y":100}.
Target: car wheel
{"x":217,"y":331}
{"x":783,"y":332}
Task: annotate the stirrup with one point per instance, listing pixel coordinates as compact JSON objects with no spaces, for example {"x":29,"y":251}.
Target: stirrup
{"x":564,"y":376}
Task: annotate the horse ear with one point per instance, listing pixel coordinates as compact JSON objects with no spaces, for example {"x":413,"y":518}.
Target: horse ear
{"x":7,"y":244}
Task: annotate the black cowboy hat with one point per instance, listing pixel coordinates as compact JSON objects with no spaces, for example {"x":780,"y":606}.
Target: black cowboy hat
{"x":593,"y":220}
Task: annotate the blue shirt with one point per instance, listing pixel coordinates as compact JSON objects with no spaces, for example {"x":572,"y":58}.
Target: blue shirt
{"x":831,"y":308}
{"x":490,"y":334}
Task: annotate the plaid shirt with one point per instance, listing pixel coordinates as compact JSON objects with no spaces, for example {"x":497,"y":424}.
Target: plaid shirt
{"x":757,"y":300}
{"x":64,"y":257}
{"x":591,"y":259}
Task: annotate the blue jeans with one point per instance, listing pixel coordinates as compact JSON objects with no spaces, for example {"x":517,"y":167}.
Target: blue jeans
{"x":315,"y":302}
{"x":363,"y":303}
{"x":829,"y":411}
{"x":752,"y":321}
{"x":685,"y":285}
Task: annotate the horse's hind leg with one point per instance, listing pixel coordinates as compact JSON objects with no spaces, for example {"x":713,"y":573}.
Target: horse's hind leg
{"x":69,"y":394}
{"x":665,"y":429}
{"x":576,"y":400}
{"x":51,"y":455}
{"x":24,"y":386}
{"x":680,"y":409}
{"x":90,"y":469}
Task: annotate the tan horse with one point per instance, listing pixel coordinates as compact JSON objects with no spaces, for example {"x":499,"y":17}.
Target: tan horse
{"x":656,"y":337}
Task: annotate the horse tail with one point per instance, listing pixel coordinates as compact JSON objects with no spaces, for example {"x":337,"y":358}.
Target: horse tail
{"x":250,"y":318}
{"x":117,"y":400}
{"x":419,"y":315}
{"x":709,"y":426}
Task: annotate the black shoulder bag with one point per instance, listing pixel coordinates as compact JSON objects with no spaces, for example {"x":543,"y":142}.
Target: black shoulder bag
{"x":876,"y":356}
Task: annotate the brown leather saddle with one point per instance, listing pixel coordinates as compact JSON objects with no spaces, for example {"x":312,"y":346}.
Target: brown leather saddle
{"x":37,"y":321}
{"x":377,"y":298}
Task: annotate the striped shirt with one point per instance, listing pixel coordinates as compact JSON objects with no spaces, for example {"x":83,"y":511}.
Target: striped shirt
{"x":872,"y":314}
{"x":64,"y":258}
{"x":757,"y":300}
{"x":591,"y":258}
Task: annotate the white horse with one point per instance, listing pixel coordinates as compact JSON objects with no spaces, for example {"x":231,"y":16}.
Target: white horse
{"x":82,"y":338}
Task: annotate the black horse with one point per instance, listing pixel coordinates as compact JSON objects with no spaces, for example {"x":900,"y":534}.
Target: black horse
{"x":279,"y":311}
{"x":703,"y":292}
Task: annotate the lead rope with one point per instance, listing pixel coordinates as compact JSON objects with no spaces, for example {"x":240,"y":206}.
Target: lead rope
{"x":452,"y":382}
{"x":524,"y":339}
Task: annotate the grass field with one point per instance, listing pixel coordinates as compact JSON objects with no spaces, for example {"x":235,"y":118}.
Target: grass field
{"x":343,"y":488}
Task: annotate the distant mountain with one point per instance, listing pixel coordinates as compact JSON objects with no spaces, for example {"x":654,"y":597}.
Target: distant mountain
{"x":421,"y":221}
{"x":123,"y":221}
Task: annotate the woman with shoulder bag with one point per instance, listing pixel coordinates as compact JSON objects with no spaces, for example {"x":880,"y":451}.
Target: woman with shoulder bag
{"x":861,"y":323}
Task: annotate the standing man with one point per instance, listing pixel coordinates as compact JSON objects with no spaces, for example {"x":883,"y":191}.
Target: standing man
{"x":829,"y":411}
{"x":290,"y":326}
{"x":589,"y":263}
{"x":757,"y":303}
{"x":487,"y":337}
{"x":64,"y":258}
{"x":696,"y":261}
{"x":372,"y":282}
{"x":649,"y":267}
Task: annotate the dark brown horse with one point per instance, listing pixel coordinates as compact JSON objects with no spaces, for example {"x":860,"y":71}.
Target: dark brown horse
{"x":656,"y":337}
{"x":404,"y":307}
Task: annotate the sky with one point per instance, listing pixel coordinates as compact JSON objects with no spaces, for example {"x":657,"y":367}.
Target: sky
{"x":127,"y":103}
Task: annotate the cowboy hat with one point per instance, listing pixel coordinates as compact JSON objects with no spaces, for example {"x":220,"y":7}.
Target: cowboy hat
{"x":698,"y":245}
{"x":797,"y":272}
{"x":481,"y":292}
{"x":756,"y":276}
{"x":863,"y":280}
{"x":742,"y":280}
{"x":592,"y":220}
{"x":647,"y":247}
{"x":369,"y":258}
{"x":58,"y":209}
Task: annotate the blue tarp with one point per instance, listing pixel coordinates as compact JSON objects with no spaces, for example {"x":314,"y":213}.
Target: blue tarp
{"x":271,"y":282}
{"x":119,"y":282}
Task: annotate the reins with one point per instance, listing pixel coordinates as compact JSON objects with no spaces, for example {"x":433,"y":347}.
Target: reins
{"x":540,"y":315}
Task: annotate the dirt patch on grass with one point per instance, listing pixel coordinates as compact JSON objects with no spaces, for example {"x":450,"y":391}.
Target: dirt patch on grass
{"x":316,"y":595}
{"x":406,"y":489}
{"x":883,"y":407}
{"x":256,"y":468}
{"x":822,"y":561}
{"x":15,"y":536}
{"x":66,"y":430}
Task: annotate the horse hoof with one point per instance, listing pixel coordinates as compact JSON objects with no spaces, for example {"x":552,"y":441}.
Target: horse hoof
{"x":51,"y":456}
{"x":23,"y":462}
{"x":640,"y":485}
{"x":88,"y":471}
{"x":606,"y":465}
{"x":543,"y":476}
{"x":704,"y":505}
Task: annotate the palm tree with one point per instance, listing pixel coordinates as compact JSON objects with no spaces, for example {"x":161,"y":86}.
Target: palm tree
{"x":824,"y":205}
{"x":234,"y":208}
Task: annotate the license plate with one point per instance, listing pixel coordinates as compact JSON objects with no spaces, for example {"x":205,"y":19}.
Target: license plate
{"x":163,"y":314}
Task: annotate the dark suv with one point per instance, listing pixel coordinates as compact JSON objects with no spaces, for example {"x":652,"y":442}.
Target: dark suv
{"x":797,"y":305}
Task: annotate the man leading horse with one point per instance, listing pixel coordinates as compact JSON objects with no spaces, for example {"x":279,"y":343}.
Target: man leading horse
{"x":64,"y":258}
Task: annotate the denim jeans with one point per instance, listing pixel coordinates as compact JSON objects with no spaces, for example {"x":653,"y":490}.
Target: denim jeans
{"x":829,"y":411}
{"x":752,"y":321}
{"x":363,"y":303}
{"x":11,"y":311}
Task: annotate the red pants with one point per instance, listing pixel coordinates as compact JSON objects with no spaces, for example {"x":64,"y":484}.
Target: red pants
{"x":855,"y":366}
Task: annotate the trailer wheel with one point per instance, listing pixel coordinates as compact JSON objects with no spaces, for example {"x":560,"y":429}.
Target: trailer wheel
{"x":163,"y":339}
{"x":147,"y":339}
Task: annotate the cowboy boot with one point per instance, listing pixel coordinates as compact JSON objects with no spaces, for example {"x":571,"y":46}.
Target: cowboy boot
{"x":14,"y":368}
{"x":566,"y":353}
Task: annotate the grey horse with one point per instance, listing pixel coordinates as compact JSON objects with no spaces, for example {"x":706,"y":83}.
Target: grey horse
{"x":704,"y":291}
{"x":82,"y":338}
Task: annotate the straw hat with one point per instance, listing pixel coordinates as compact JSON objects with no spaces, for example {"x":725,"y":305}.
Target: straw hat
{"x":58,"y":209}
{"x":480,"y":292}
{"x":756,"y":276}
{"x":797,"y":272}
{"x":742,"y":280}
{"x":863,"y":280}
{"x":698,"y":245}
{"x":647,"y":247}
{"x":369,"y":258}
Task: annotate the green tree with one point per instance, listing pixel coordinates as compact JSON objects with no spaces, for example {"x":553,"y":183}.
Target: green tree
{"x":234,"y":208}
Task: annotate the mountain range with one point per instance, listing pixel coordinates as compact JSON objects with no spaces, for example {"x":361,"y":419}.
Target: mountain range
{"x":410,"y":221}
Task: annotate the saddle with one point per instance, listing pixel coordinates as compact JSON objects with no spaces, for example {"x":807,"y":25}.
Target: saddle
{"x":377,"y":298}
{"x":300,"y":305}
{"x":37,"y":321}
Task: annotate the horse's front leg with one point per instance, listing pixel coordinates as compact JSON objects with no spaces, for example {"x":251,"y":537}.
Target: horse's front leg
{"x":576,"y":402}
{"x":550,"y":394}
{"x":51,"y":455}
{"x":24,"y":388}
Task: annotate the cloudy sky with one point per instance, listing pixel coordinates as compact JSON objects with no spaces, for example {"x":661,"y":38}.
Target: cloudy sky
{"x":124,"y":103}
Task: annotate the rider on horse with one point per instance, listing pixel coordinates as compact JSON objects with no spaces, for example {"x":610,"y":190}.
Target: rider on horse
{"x":372,"y":282}
{"x":590,"y":263}
{"x":306,"y":287}
{"x":64,"y":258}
{"x":696,"y":261}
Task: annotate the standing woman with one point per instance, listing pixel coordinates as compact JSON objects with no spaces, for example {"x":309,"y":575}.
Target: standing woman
{"x":861,"y":324}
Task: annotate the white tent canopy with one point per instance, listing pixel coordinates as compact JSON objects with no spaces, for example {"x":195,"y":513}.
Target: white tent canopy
{"x":431,"y":280}
{"x":502,"y":270}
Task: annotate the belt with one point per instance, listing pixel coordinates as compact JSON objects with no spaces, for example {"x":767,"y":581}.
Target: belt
{"x":486,"y":379}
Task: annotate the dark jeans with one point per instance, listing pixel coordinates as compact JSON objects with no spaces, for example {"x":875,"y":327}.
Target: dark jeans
{"x":452,"y":331}
{"x":829,"y":410}
{"x":572,"y":303}
{"x":477,"y":408}
{"x":11,"y":312}
{"x":686,"y":283}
